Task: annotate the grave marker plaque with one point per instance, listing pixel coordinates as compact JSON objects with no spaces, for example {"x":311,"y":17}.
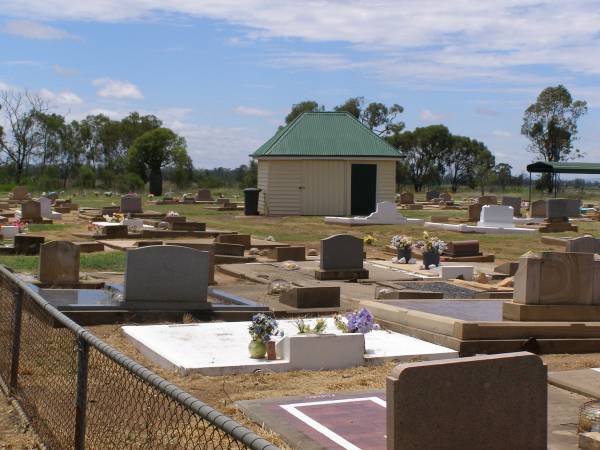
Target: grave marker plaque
{"x":59,"y":263}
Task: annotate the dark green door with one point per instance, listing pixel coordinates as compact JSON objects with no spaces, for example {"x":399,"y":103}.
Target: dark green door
{"x":363,"y":191}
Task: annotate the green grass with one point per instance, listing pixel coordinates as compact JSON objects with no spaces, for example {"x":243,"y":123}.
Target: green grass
{"x":93,"y":262}
{"x":48,"y":227}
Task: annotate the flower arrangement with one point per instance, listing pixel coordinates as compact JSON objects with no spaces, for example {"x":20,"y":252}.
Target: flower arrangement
{"x":304,"y":328}
{"x":401,"y":242}
{"x":115,"y":218}
{"x":432,"y":244}
{"x":361,"y":321}
{"x":172,"y":214}
{"x":263,"y":326}
{"x":369,"y":239}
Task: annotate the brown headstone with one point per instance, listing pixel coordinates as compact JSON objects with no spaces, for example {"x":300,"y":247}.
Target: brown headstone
{"x":463,"y":248}
{"x":491,"y":402}
{"x":131,"y":203}
{"x":240,"y":239}
{"x":26,"y":244}
{"x":204,"y":195}
{"x":115,"y":231}
{"x":439,"y":219}
{"x":222,"y":248}
{"x":188,"y":226}
{"x":583,"y":244}
{"x":19,"y":193}
{"x":407,"y":198}
{"x":311,"y":297}
{"x":487,"y":200}
{"x":474,"y":212}
{"x":31,"y":210}
{"x":538,"y":208}
{"x":59,"y":263}
{"x":292,"y":253}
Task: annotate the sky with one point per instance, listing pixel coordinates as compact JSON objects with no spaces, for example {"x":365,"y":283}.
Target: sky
{"x":224,"y":73}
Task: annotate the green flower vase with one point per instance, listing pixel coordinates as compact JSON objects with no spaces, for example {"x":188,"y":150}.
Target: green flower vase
{"x":257,"y":349}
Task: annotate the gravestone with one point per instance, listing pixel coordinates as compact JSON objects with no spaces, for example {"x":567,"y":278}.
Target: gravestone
{"x":240,"y":239}
{"x":463,"y":248}
{"x":311,"y":297}
{"x":173,"y":219}
{"x":210,"y":248}
{"x":583,"y":244}
{"x":407,"y":198}
{"x":45,"y":207}
{"x":169,"y":275}
{"x":19,"y":193}
{"x":59,"y":263}
{"x":491,"y":402}
{"x":538,"y":209}
{"x":109,"y":210}
{"x":496,"y":216}
{"x":188,"y":226}
{"x":131,"y":203}
{"x":31,"y":210}
{"x":557,"y":218}
{"x":204,"y":195}
{"x":515,"y":202}
{"x":455,"y":272}
{"x":507,"y":268}
{"x":474,"y":212}
{"x":27,"y":244}
{"x":573,"y":207}
{"x":556,"y":286}
{"x":430,"y":195}
{"x":115,"y":231}
{"x":341,"y":258}
{"x":439,"y":219}
{"x":222,"y":248}
{"x":291,"y":253}
{"x":487,"y":200}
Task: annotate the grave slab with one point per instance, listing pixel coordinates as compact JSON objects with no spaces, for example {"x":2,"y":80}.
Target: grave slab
{"x":386,"y":213}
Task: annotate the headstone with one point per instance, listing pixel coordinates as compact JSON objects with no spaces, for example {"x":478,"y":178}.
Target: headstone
{"x":31,"y":210}
{"x":8,"y":232}
{"x":474,"y":212}
{"x":173,"y":219}
{"x":487,"y":200}
{"x":210,"y":248}
{"x":167,"y":274}
{"x":496,"y":216}
{"x":462,"y":248}
{"x":430,"y":195}
{"x":557,"y":208}
{"x":456,"y":272}
{"x":583,"y":244}
{"x":188,"y":226}
{"x":45,"y":207}
{"x":508,"y":268}
{"x":537,"y":209}
{"x":407,"y":198}
{"x":19,"y":193}
{"x":573,"y":207}
{"x":240,"y":239}
{"x":27,"y":244}
{"x":291,"y":253}
{"x":515,"y":202}
{"x":439,"y":219}
{"x":59,"y":263}
{"x":204,"y":195}
{"x":115,"y":231}
{"x":491,"y":402}
{"x":341,"y":258}
{"x":222,"y":248}
{"x":557,"y":218}
{"x":131,"y":203}
{"x":311,"y":297}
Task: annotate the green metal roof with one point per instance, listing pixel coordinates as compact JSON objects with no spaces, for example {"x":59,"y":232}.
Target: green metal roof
{"x":322,"y":134}
{"x":564,"y":167}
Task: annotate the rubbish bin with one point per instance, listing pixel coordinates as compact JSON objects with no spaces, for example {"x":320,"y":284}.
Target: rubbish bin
{"x":251,"y":201}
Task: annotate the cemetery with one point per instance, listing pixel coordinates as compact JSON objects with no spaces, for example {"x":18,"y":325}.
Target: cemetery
{"x":194,"y":280}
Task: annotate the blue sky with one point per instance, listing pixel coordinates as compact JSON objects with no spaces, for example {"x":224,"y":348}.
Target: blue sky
{"x":225,"y":73}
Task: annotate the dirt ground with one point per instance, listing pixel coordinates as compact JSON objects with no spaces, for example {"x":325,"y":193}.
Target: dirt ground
{"x":14,"y":432}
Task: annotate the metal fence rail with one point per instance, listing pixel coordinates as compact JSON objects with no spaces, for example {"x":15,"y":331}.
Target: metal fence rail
{"x":79,"y":392}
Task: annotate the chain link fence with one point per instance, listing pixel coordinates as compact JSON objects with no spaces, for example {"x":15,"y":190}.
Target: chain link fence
{"x":79,"y":392}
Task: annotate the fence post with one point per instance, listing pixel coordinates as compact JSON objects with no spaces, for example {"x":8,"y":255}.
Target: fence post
{"x":16,"y":339}
{"x":81,"y":400}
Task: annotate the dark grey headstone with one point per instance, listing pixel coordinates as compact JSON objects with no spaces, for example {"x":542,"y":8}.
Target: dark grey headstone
{"x":430,"y":195}
{"x":131,"y":203}
{"x":557,"y":208}
{"x":573,"y":207}
{"x":341,"y":252}
{"x":166,"y":273}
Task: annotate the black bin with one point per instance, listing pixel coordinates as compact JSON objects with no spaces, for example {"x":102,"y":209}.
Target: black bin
{"x":251,"y":201}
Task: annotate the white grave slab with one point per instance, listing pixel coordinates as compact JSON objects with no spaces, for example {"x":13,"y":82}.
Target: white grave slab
{"x":496,"y":216}
{"x":9,"y":231}
{"x":220,"y":348}
{"x":386,"y":213}
{"x":453,"y":272}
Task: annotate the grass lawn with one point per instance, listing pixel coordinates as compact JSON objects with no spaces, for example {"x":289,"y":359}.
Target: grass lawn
{"x":90,"y":262}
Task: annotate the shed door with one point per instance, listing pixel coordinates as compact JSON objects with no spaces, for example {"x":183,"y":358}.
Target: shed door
{"x":363,"y":189}
{"x":324,"y":188}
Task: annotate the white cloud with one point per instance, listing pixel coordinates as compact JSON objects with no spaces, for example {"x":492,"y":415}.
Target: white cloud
{"x":60,"y":98}
{"x":110,"y":88}
{"x":501,"y":133}
{"x":64,"y":71}
{"x":34,"y":30}
{"x":251,"y":111}
{"x":428,"y":116}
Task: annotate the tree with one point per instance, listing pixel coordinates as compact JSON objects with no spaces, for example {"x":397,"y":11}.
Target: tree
{"x":353,"y":105}
{"x":424,"y":151}
{"x":379,"y":118}
{"x":503,"y":172}
{"x":19,"y":113}
{"x":550,"y":124}
{"x":154,"y":150}
{"x":484,"y":169}
{"x":461,"y":159}
{"x":302,"y":107}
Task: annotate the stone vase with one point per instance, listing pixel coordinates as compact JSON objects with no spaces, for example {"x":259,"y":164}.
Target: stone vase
{"x":430,"y":258}
{"x":405,"y":253}
{"x":257,"y":349}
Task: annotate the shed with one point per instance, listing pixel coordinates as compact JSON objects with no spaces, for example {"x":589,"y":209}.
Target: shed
{"x":325,"y":163}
